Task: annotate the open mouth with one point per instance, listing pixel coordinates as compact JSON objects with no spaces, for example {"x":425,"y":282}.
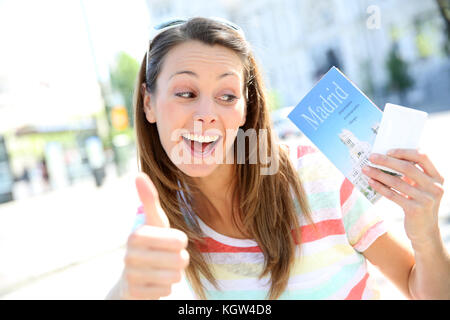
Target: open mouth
{"x":201,"y":145}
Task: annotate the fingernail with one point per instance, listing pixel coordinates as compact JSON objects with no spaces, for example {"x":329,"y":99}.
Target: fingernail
{"x":390,"y":152}
{"x":373,"y":156}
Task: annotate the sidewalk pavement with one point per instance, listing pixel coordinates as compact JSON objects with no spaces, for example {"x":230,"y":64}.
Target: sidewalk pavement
{"x":48,"y":233}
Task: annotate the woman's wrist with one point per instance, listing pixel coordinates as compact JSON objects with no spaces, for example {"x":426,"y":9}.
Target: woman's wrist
{"x":430,"y":276}
{"x":430,"y":245}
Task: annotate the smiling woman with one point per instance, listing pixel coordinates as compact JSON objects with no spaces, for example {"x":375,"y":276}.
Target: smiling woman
{"x":199,"y":93}
{"x":234,"y":230}
{"x":202,"y":84}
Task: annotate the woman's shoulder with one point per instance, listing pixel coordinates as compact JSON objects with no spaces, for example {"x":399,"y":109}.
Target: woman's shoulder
{"x":314,"y":168}
{"x":326,"y":188}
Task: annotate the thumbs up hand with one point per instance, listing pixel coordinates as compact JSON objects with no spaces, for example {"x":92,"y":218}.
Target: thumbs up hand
{"x":154,"y":214}
{"x":156,"y":254}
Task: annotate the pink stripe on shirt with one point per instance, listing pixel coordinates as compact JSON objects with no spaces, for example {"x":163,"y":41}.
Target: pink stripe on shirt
{"x":358,"y":290}
{"x":309,"y":233}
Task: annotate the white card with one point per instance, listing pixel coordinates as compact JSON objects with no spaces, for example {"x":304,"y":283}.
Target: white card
{"x":400,"y":127}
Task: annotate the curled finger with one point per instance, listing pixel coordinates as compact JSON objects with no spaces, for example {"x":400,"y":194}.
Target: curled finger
{"x":148,"y":292}
{"x":140,"y":258}
{"x":151,"y":276}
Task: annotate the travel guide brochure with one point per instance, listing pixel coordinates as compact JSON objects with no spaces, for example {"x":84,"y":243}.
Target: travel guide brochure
{"x":342,"y":123}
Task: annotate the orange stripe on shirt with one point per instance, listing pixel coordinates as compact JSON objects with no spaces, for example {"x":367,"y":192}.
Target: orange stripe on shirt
{"x":210,"y":245}
{"x":346,"y":191}
{"x":309,"y":233}
{"x":321,"y":230}
{"x":358,"y":290}
{"x":303,"y":150}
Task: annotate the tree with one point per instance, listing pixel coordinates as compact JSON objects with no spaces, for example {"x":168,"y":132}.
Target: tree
{"x":123,"y":77}
{"x":399,"y":79}
{"x":444,"y":9}
{"x":274,"y":100}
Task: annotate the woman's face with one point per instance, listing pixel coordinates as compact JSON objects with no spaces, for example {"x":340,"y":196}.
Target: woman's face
{"x":198,"y":105}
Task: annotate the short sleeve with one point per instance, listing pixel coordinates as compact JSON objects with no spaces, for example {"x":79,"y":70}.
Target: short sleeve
{"x":362,"y":223}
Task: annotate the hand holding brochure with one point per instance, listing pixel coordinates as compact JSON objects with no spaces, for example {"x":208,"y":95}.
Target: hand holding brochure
{"x":343,"y":123}
{"x":400,"y":128}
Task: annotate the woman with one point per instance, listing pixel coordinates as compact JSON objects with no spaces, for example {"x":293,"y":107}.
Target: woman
{"x":236,"y":227}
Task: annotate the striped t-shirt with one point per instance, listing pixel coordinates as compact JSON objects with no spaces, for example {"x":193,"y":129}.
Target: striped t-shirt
{"x":329,"y":265}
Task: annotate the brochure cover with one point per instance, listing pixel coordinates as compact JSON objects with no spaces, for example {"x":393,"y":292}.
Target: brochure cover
{"x":342,"y":123}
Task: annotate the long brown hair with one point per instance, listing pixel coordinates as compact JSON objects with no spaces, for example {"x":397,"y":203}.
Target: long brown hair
{"x":267,"y":208}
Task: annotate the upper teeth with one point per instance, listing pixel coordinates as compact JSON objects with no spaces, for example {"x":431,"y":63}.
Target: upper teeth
{"x":200,"y":138}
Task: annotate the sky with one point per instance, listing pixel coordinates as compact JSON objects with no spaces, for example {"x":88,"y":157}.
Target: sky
{"x":118,"y":25}
{"x":48,"y":62}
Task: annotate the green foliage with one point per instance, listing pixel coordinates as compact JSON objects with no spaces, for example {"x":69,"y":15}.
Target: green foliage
{"x":123,"y":77}
{"x":367,"y":78}
{"x":274,"y":100}
{"x":399,"y":79}
{"x":423,"y":45}
{"x":34,"y":144}
{"x":444,"y":10}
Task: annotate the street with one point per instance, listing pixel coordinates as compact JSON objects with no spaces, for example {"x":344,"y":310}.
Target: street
{"x":56,"y":232}
{"x":69,"y":243}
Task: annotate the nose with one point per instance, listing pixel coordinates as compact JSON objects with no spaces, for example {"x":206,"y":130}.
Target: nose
{"x":205,"y":112}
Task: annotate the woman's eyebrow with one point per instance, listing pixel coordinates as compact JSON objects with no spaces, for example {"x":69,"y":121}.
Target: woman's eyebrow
{"x":184,"y":72}
{"x":196,"y":75}
{"x":227,"y":74}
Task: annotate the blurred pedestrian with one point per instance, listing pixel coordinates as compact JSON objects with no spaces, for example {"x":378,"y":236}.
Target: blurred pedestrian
{"x":96,"y":159}
{"x":26,"y":175}
{"x":26,"y":178}
{"x":44,"y":172}
{"x":302,"y":232}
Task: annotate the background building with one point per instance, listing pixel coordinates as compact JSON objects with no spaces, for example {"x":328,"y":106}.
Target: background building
{"x":297,"y":41}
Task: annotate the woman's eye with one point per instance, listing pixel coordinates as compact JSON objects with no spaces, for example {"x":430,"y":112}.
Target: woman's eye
{"x":228,"y":98}
{"x":186,"y":94}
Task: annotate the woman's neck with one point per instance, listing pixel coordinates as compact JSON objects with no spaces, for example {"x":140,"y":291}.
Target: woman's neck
{"x":218,"y":188}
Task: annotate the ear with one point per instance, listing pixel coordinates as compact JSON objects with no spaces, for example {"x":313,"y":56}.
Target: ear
{"x":149,"y":108}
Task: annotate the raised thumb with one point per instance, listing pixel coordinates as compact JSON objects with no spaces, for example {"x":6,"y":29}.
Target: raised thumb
{"x":154,"y":214}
